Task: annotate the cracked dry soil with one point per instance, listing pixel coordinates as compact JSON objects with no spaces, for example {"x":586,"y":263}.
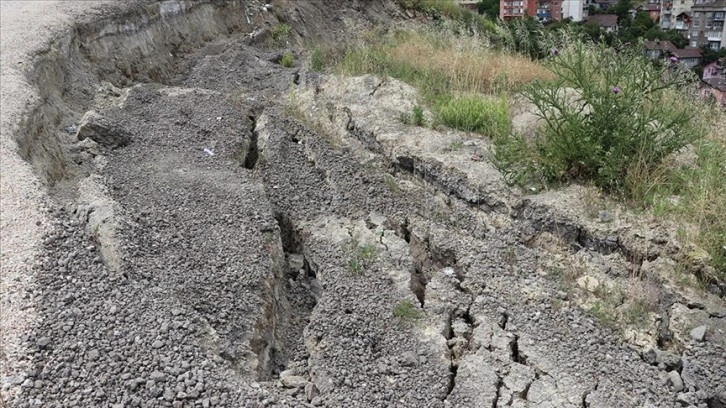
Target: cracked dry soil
{"x":209,"y":248}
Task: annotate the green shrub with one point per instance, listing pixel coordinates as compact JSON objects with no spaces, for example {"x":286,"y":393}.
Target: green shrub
{"x":317,"y":61}
{"x":418,"y":115}
{"x":287,"y":60}
{"x":609,"y":117}
{"x":476,"y":114}
{"x":407,"y":311}
{"x":280,"y":33}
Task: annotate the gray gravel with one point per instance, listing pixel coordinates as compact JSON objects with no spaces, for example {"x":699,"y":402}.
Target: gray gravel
{"x":260,"y":263}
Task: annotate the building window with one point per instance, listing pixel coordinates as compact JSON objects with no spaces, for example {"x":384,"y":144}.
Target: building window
{"x":695,"y":24}
{"x":694,"y":44}
{"x":697,"y":14}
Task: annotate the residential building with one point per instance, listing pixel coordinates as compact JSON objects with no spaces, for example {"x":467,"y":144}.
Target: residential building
{"x":469,"y":4}
{"x":653,"y":10}
{"x":714,"y":69}
{"x":707,"y":25}
{"x":576,"y":10}
{"x":688,"y":56}
{"x":682,"y":23}
{"x":715,"y":88}
{"x":665,"y":49}
{"x":549,"y":10}
{"x":659,"y":49}
{"x":543,"y":10}
{"x":670,"y":9}
{"x":607,"y":22}
{"x":511,"y":9}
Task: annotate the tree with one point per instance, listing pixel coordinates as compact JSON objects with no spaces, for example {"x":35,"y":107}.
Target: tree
{"x":642,"y":19}
{"x":622,"y":9}
{"x":489,"y":8}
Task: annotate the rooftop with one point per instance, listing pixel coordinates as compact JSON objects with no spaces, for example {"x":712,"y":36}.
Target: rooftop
{"x":687,"y":53}
{"x":721,"y":4}
{"x":604,"y":20}
{"x":718,"y":83}
{"x":660,"y":45}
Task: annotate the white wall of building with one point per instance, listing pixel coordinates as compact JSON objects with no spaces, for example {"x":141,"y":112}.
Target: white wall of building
{"x":573,"y":9}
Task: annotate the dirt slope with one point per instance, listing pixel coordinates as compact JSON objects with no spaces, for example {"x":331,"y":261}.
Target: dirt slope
{"x":224,"y":231}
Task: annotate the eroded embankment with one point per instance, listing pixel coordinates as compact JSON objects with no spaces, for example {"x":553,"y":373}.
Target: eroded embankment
{"x":212,"y":250}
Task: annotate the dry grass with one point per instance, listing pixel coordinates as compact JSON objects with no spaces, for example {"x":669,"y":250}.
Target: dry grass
{"x":441,"y":63}
{"x":695,"y":197}
{"x":468,"y":66}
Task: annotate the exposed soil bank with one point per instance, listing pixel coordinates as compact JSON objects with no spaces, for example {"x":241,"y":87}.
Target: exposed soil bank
{"x":207,"y":245}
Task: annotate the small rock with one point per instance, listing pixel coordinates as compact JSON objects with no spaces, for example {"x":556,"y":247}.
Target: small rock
{"x":650,"y":356}
{"x":71,"y":129}
{"x":699,"y":333}
{"x":157,"y":344}
{"x":102,"y":131}
{"x":294,"y":381}
{"x":604,"y":216}
{"x":93,"y":355}
{"x":43,"y":342}
{"x":311,"y":391}
{"x":588,"y":283}
{"x":672,"y":362}
{"x":675,"y":380}
{"x":169,"y":394}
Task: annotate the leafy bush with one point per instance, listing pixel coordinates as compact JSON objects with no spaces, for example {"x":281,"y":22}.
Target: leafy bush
{"x":287,"y":60}
{"x":280,"y":33}
{"x":609,"y":117}
{"x":477,"y":114}
{"x":439,"y":9}
{"x":317,"y":61}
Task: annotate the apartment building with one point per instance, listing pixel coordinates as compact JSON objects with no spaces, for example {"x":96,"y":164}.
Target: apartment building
{"x":707,"y":24}
{"x":549,"y":10}
{"x":574,"y":9}
{"x":670,"y":10}
{"x":543,"y":10}
{"x":511,"y":9}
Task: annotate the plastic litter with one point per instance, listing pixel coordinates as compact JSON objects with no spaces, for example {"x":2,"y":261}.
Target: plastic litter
{"x":209,"y":152}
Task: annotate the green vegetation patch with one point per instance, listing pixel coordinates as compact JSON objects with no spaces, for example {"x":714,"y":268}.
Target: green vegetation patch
{"x":609,"y":118}
{"x":488,"y":116}
{"x":287,"y":60}
{"x":407,"y":311}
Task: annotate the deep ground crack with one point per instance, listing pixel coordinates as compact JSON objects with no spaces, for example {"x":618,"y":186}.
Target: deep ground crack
{"x":252,"y":152}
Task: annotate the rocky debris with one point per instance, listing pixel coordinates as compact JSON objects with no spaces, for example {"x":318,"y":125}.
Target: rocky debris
{"x":664,"y":360}
{"x":102,"y":130}
{"x":588,"y":283}
{"x":305,"y":278}
{"x":674,"y":379}
{"x":699,"y":333}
